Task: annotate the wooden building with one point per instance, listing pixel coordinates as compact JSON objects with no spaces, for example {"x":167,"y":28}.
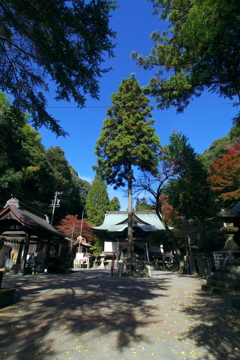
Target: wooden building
{"x":115,"y":226}
{"x":25,"y":232}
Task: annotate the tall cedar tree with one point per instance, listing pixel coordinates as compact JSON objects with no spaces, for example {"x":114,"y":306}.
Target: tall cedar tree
{"x":225,"y":177}
{"x":127,"y":139}
{"x":97,"y":202}
{"x":199,"y":49}
{"x":64,"y":42}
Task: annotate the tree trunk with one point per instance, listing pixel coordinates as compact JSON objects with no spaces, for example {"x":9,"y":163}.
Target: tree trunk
{"x":130,"y":231}
{"x":193,"y":270}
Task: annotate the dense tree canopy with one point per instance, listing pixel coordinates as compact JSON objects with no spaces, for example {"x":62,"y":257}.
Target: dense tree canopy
{"x":189,"y":191}
{"x":60,"y":41}
{"x":30,"y":172}
{"x":216,"y":150}
{"x":11,"y":154}
{"x":181,"y":176}
{"x":199,"y":50}
{"x":73,"y":190}
{"x":180,"y":188}
{"x":24,"y":169}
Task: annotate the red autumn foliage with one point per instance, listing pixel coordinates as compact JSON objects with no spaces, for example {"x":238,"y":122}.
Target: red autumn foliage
{"x":71,"y":226}
{"x":168,"y":213}
{"x":225,"y":176}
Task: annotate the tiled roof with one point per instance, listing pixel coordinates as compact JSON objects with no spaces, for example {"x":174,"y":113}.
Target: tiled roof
{"x":29,"y":217}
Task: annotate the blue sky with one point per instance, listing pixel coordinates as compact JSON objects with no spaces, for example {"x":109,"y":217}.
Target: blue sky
{"x":205,"y":120}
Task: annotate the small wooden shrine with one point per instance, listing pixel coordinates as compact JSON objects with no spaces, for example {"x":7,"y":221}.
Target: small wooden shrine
{"x":27,"y":232}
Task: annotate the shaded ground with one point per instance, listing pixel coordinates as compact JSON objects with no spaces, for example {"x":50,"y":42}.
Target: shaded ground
{"x":91,"y":315}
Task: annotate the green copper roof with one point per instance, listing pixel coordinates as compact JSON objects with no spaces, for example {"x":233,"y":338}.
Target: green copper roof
{"x":117,"y":221}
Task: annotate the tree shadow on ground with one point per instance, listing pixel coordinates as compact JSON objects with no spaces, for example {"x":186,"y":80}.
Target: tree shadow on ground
{"x":217,"y":327}
{"x":50,"y":307}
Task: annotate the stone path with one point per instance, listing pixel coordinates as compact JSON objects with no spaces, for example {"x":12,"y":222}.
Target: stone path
{"x":91,"y":315}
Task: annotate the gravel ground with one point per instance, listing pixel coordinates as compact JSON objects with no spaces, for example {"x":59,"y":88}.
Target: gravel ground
{"x":92,"y":315}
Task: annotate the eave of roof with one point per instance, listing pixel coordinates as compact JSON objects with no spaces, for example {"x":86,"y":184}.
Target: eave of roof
{"x":31,"y":220}
{"x":118,"y":222}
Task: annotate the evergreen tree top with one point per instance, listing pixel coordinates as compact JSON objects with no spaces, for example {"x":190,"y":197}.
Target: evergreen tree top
{"x":128,"y":137}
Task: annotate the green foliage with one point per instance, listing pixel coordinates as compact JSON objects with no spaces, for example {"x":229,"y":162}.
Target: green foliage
{"x":66,"y":181}
{"x":189,"y":191}
{"x":11,"y":121}
{"x":114,"y":204}
{"x":97,"y":248}
{"x":36,"y":170}
{"x":234,"y":133}
{"x":127,"y":136}
{"x":97,"y":202}
{"x":78,"y":195}
{"x":177,"y":156}
{"x":62,"y":41}
{"x":216,"y":150}
{"x":31,"y":173}
{"x":199,"y":50}
{"x":142,"y":204}
{"x":219,"y":147}
{"x":23,"y":163}
{"x":205,"y":235}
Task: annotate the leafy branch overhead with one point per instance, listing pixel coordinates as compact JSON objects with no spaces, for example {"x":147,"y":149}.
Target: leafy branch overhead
{"x":64,"y":42}
{"x":199,"y":50}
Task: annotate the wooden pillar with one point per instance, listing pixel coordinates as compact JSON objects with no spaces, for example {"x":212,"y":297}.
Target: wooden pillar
{"x":20,"y":252}
{"x":47,"y":253}
{"x":24,"y":259}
